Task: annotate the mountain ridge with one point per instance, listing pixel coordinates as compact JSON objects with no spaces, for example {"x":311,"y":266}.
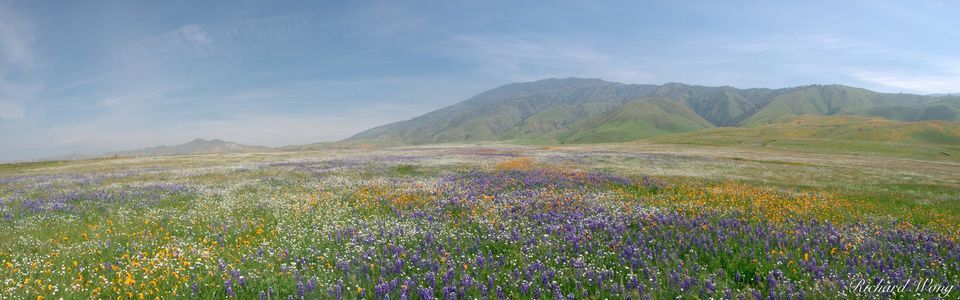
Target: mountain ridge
{"x":568,"y":110}
{"x":195,"y":146}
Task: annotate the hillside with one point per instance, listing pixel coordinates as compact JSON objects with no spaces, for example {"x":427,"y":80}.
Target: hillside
{"x":635,"y":120}
{"x":834,"y":127}
{"x":938,"y":140}
{"x":196,"y":146}
{"x":575,"y":110}
{"x":838,"y":100}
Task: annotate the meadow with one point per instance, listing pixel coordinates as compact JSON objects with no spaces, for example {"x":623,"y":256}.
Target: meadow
{"x":617,"y":221}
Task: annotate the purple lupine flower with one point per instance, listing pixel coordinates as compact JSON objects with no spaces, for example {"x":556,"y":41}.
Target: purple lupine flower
{"x":311,"y":284}
{"x":338,"y":290}
{"x":301,"y":290}
{"x":771,"y":281}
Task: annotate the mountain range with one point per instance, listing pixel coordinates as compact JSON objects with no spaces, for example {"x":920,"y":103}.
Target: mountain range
{"x":196,"y":146}
{"x":576,"y":110}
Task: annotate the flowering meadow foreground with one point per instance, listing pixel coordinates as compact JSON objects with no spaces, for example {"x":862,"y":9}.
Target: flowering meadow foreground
{"x":473,"y":223}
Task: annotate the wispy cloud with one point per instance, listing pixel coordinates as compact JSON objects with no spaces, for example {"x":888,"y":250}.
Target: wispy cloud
{"x":198,"y":39}
{"x":16,"y":39}
{"x":385,"y":20}
{"x":14,"y":97}
{"x":529,"y":58}
{"x":254,"y":129}
{"x":296,"y":112}
{"x":191,"y":36}
{"x":820,"y":44}
{"x":879,"y":66}
{"x":927,"y":75}
{"x":15,"y":36}
{"x":949,"y":83}
{"x":142,"y":75}
{"x":140,"y":96}
{"x":272,"y":130}
{"x":10,"y":111}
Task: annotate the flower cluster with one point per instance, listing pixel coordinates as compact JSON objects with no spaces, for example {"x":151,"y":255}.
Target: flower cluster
{"x":482,"y":225}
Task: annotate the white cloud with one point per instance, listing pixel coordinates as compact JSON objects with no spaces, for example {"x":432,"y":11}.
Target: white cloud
{"x":254,"y":129}
{"x":194,"y":34}
{"x":385,"y":20}
{"x":924,"y":84}
{"x":531,"y":58}
{"x":13,"y":96}
{"x":880,"y":67}
{"x":15,"y":37}
{"x":10,"y":111}
{"x":141,"y":95}
{"x":201,"y":40}
{"x":805,"y":44}
{"x":191,"y":38}
{"x":296,"y":112}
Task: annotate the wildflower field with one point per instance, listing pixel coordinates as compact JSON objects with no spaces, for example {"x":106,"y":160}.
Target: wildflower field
{"x":481,"y":223}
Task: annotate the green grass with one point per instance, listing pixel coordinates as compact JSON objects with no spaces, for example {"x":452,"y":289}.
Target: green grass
{"x":836,"y":135}
{"x":239,"y":204}
{"x":11,"y":168}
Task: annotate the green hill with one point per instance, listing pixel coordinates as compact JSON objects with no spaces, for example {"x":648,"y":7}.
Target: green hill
{"x":635,"y":120}
{"x":500,"y":113}
{"x":196,"y":146}
{"x":838,"y":100}
{"x":575,"y":110}
{"x":836,"y":134}
{"x":833,"y":127}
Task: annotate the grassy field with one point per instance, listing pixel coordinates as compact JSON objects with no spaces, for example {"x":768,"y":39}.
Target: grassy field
{"x":653,"y":219}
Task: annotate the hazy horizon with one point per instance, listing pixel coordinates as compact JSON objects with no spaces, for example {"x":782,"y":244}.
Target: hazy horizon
{"x":92,"y":77}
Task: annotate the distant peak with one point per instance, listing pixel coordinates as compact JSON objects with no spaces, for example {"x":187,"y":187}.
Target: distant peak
{"x":674,"y":85}
{"x":571,"y":79}
{"x":561,"y":83}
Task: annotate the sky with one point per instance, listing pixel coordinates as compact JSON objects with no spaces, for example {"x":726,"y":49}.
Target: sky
{"x":86,"y":77}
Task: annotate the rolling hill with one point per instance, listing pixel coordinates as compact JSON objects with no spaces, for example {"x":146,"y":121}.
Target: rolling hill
{"x":844,"y":134}
{"x":575,"y":110}
{"x":635,"y":120}
{"x":196,"y":146}
{"x":857,"y":128}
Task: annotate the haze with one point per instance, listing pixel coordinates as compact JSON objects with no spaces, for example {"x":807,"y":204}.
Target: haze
{"x":97,"y":76}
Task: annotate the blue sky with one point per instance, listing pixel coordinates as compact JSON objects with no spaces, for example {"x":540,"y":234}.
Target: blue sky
{"x":95,"y":76}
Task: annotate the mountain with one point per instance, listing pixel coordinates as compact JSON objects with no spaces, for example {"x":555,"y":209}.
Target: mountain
{"x":511,"y":111}
{"x":642,"y":118}
{"x":576,"y":110}
{"x":196,"y":146}
{"x":843,"y":100}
